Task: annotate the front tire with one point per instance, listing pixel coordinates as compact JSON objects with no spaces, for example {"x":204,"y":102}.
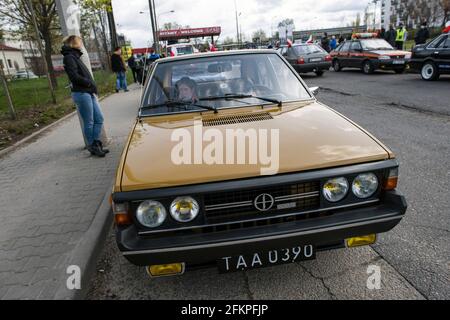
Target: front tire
{"x":429,"y":72}
{"x":367,"y":67}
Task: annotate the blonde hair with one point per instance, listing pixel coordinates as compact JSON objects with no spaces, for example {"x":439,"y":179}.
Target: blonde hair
{"x":70,"y":40}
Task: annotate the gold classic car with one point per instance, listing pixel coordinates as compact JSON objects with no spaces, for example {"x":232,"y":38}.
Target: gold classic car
{"x":233,"y":163}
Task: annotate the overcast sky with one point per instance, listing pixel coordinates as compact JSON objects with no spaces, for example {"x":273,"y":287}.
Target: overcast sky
{"x":255,"y":14}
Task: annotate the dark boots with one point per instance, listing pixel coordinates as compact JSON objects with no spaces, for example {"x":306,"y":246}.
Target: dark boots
{"x":96,"y":149}
{"x":100,"y":145}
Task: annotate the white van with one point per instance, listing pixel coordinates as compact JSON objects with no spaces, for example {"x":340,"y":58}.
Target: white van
{"x":180,"y":49}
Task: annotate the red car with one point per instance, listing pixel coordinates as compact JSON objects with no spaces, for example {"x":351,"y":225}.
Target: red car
{"x":369,"y":54}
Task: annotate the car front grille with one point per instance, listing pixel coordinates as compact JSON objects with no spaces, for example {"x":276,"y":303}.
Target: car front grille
{"x":260,"y":203}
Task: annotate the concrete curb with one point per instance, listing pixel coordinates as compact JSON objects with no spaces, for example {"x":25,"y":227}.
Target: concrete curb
{"x":38,"y":133}
{"x":87,"y":251}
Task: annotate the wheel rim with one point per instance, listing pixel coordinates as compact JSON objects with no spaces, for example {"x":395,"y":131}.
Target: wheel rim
{"x":427,"y":71}
{"x":366,"y":67}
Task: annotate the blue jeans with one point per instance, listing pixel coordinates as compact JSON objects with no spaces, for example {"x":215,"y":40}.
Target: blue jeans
{"x":121,"y":82}
{"x":91,"y":115}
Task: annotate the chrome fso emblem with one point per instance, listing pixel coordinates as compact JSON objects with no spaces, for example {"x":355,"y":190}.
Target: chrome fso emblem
{"x":264,"y":202}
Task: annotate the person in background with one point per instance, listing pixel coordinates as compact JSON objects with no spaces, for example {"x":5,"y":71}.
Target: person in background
{"x":84,"y":94}
{"x":400,"y":37}
{"x":119,"y":68}
{"x":382,"y":33}
{"x":390,"y":35}
{"x":325,"y":42}
{"x":153,"y":56}
{"x":333,"y":43}
{"x":341,"y":39}
{"x":132,"y":65}
{"x":422,"y":34}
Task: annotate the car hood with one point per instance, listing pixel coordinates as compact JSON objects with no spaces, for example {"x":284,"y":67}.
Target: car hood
{"x":311,"y":136}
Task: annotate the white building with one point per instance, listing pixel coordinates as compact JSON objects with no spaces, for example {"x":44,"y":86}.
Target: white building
{"x":373,"y":15}
{"x":11,"y":60}
{"x":411,"y":13}
{"x":386,"y":12}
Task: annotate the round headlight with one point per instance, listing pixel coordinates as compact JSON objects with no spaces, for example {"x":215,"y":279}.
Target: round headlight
{"x":365,"y":185}
{"x":184,"y":209}
{"x":335,"y":190}
{"x":151,"y":214}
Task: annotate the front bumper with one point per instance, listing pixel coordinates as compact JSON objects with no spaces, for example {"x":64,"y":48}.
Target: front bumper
{"x":415,"y":64}
{"x":389,"y":65}
{"x":323,"y":232}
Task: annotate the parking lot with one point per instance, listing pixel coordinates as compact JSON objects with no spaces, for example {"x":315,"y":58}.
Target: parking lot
{"x":413,"y":118}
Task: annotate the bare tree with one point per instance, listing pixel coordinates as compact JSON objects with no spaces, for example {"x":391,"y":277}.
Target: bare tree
{"x":17,"y":13}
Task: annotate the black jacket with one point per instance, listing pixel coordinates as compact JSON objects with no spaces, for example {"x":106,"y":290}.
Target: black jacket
{"x":117,"y":64}
{"x":79,"y":76}
{"x":390,"y":36}
{"x":422,"y":36}
{"x":326,"y":44}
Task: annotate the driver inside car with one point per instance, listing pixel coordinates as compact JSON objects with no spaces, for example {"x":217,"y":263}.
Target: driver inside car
{"x":186,"y":90}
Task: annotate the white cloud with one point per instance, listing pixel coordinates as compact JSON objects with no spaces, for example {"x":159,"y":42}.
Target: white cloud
{"x":255,"y":14}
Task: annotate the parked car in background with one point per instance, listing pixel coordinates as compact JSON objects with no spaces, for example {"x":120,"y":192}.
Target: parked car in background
{"x":432,"y":59}
{"x":333,"y":185}
{"x":306,"y":58}
{"x":23,"y":75}
{"x":180,"y":49}
{"x":369,"y":54}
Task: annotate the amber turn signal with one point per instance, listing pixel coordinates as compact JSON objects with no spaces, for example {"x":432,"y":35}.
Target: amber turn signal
{"x":166,"y":270}
{"x":122,"y":219}
{"x":121,"y":214}
{"x":361,"y":241}
{"x":392,"y":180}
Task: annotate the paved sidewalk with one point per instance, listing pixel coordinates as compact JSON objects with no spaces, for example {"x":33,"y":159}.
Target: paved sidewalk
{"x":51,"y":190}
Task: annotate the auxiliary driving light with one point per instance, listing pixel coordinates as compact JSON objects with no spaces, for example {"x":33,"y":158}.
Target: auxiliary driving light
{"x":361,"y":241}
{"x":335,"y":190}
{"x":184,"y":209}
{"x":165,"y":270}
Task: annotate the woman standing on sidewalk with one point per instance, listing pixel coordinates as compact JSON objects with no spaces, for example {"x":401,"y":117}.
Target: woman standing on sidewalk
{"x":84,"y":94}
{"x":120,"y":69}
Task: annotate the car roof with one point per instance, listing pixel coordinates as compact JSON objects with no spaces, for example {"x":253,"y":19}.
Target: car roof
{"x":215,"y":54}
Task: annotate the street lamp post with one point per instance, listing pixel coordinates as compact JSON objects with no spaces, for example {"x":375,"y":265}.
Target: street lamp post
{"x":237,"y":23}
{"x":155,"y":34}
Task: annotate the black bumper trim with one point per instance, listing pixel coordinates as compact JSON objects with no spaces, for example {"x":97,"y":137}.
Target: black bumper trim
{"x":241,"y":242}
{"x":203,"y":248}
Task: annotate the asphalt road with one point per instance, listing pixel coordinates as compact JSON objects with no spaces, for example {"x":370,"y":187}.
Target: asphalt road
{"x":410,"y":116}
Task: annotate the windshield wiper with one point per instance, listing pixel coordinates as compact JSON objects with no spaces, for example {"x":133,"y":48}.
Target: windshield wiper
{"x":179,"y":105}
{"x":233,"y":96}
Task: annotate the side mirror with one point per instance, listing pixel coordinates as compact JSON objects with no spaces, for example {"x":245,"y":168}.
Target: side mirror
{"x":314,"y":90}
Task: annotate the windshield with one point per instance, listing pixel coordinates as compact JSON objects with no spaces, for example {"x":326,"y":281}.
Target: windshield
{"x":376,"y":44}
{"x":196,"y":81}
{"x":308,"y":49}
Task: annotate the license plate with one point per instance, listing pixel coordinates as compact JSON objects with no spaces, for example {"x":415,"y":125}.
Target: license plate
{"x":315,"y":60}
{"x":398,"y":62}
{"x":266,"y":259}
